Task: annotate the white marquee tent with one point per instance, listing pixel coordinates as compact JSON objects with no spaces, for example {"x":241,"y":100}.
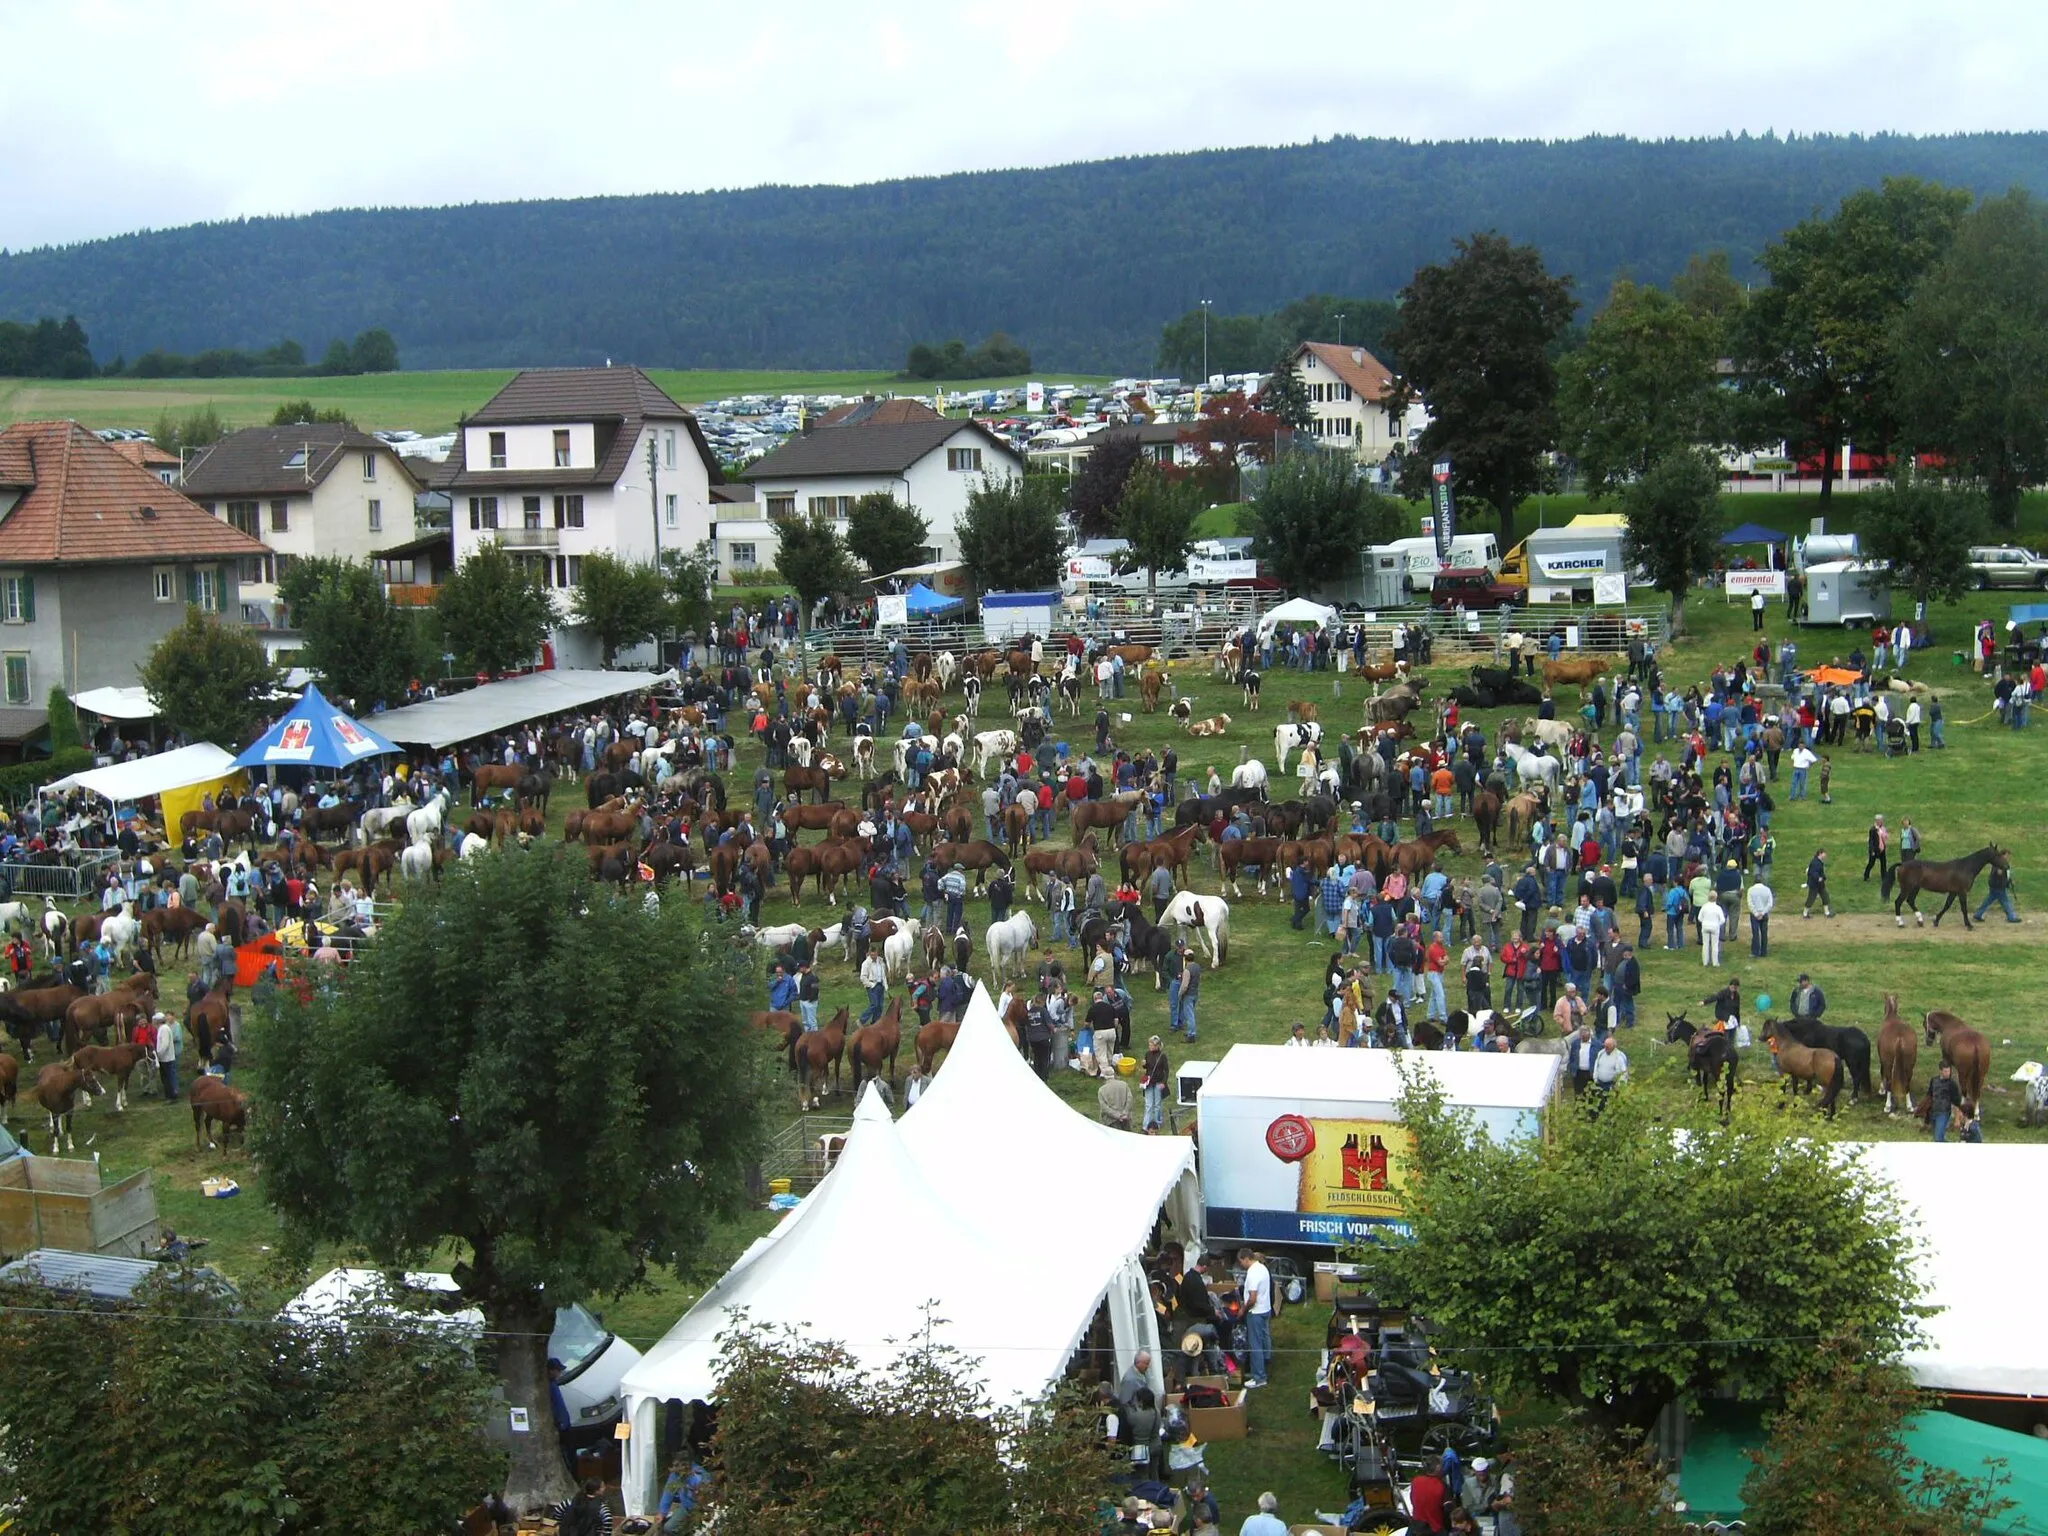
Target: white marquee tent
{"x":123,"y":783}
{"x":498,"y":706}
{"x":1297,"y":610}
{"x":932,"y":1198}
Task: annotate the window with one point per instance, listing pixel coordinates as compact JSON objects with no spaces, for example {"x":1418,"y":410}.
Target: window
{"x":743,"y":555}
{"x":245,"y":516}
{"x":569,"y":511}
{"x":202,"y":588}
{"x":369,"y":466}
{"x":568,"y":570}
{"x":297,"y":460}
{"x":280,"y":517}
{"x":17,"y":598}
{"x":670,"y":510}
{"x":483,"y":512}
{"x":255,"y":570}
{"x":160,"y":583}
{"x":17,"y":677}
{"x":497,"y":450}
{"x":376,"y":516}
{"x":279,"y":566}
{"x":668,"y":450}
{"x":529,"y":510}
{"x":968,"y":459}
{"x":838,"y":507}
{"x":782,"y":504}
{"x":561,"y":447}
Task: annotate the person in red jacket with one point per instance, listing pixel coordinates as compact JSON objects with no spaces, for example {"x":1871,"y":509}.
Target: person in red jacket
{"x":1550,"y":966}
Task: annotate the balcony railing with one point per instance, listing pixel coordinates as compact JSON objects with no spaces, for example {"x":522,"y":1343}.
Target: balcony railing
{"x":411,"y":594}
{"x":530,"y":538}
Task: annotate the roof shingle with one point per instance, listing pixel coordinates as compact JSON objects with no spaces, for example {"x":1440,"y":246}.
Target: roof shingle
{"x":867,"y":450}
{"x":1366,"y":374}
{"x":618,"y":401}
{"x":256,"y":461}
{"x":86,"y":503}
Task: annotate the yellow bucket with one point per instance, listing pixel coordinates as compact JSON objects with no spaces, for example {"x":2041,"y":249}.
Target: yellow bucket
{"x":1127,"y":1065}
{"x":778,"y":1186}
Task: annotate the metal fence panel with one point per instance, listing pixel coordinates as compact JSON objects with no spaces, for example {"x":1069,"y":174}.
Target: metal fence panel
{"x":66,"y":882}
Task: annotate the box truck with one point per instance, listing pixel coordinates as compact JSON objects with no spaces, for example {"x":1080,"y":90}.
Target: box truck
{"x":1568,"y":558}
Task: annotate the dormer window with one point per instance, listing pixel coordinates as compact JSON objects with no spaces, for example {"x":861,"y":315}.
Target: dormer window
{"x":297,"y":460}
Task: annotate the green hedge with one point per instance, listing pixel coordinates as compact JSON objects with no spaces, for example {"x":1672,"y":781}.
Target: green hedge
{"x":21,"y":780}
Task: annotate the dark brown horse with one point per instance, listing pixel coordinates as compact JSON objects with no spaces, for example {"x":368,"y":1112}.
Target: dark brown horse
{"x":1016,"y":828}
{"x":1237,"y":854}
{"x":1711,"y":1057}
{"x":1414,"y":858}
{"x":207,"y":1019}
{"x":1486,"y":804}
{"x":1110,"y":813}
{"x":58,"y":1087}
{"x":829,"y":862}
{"x":874,"y":1044}
{"x":817,"y":778}
{"x":816,"y":1052}
{"x":117,"y":1061}
{"x":1898,"y":1052}
{"x":1963,"y":1048}
{"x":215,"y":1102}
{"x":981,"y":856}
{"x":1950,"y":877}
{"x":1072,"y":864}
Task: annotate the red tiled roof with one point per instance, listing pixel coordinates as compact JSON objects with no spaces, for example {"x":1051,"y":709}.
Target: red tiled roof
{"x":86,"y":503}
{"x":877,"y":413}
{"x":1366,"y":374}
{"x":148,"y":455}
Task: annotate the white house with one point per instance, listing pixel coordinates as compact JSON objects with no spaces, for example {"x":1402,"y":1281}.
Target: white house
{"x":931,"y":465}
{"x":320,"y":488}
{"x":1348,"y":395}
{"x":566,"y":462}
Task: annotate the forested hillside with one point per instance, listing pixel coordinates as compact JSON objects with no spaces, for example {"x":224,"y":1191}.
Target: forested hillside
{"x":1082,"y":264}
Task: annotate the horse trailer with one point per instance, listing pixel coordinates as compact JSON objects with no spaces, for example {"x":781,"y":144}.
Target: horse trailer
{"x":1846,"y":592}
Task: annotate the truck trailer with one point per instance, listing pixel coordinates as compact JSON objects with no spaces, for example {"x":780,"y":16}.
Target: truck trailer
{"x":1569,"y":557}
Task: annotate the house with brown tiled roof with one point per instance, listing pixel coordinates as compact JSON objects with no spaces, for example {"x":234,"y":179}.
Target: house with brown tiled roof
{"x":1349,"y":394}
{"x":98,"y":561}
{"x":318,"y":488}
{"x":159,"y":461}
{"x":567,"y":462}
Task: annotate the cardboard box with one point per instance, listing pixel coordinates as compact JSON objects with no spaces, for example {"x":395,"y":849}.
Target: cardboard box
{"x":1230,"y":1422}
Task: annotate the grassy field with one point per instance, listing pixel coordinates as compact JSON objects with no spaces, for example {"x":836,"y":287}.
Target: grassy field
{"x":1982,"y":787}
{"x":425,"y":402}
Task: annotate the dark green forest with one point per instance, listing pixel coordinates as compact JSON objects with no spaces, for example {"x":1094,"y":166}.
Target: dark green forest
{"x":1083,"y":264}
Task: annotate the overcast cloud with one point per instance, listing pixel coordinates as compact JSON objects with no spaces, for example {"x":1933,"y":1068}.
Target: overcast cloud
{"x":117,"y":116}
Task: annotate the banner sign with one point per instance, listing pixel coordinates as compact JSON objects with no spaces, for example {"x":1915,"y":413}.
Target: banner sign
{"x":1610,"y":587}
{"x":892,"y":608}
{"x":1742,"y":583}
{"x":1564,"y":564}
{"x":1440,"y":504}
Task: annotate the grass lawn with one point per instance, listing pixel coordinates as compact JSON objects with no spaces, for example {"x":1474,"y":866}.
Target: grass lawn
{"x":1981,"y":788}
{"x":428,"y":402}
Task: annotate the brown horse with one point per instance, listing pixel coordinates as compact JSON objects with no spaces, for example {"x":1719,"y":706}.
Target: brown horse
{"x":817,"y":778}
{"x":812,"y":818}
{"x":207,"y":1019}
{"x":876,"y":1043}
{"x":117,"y":1061}
{"x":1237,"y":854}
{"x":1173,"y":852}
{"x":1963,"y":1048}
{"x":1522,"y":812}
{"x":827,"y":862}
{"x":38,"y":1005}
{"x":1953,"y":877}
{"x":178,"y":924}
{"x":1414,"y":858}
{"x":1808,"y":1065}
{"x":215,"y":1102}
{"x":817,"y":1051}
{"x":1486,"y":806}
{"x":780,"y":1021}
{"x":10,"y":1077}
{"x":57,"y":1089}
{"x":1320,"y":852}
{"x":1898,"y":1052}
{"x":1072,"y":864}
{"x":1016,"y":828}
{"x":980,"y":856}
{"x":1109,"y":812}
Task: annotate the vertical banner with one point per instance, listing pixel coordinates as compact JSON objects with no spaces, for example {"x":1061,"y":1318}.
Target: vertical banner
{"x":1440,"y":502}
{"x":1034,"y":398}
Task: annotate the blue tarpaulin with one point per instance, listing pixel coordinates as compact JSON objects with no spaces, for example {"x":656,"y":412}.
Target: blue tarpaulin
{"x":921,"y":600}
{"x":314,"y":734}
{"x":1754,"y":533}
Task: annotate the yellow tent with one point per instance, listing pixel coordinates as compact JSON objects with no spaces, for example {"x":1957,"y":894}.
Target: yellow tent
{"x":178,"y":801}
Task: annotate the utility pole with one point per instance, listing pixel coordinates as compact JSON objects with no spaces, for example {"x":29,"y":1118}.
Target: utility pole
{"x":1340,"y":327}
{"x":1206,"y":306}
{"x":654,"y":493}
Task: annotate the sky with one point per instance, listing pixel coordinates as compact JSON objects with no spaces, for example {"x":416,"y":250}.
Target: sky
{"x":148,"y":116}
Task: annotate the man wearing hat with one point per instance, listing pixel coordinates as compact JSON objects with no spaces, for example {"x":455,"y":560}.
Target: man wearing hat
{"x":1808,"y":1001}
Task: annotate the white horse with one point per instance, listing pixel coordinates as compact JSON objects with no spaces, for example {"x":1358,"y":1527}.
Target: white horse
{"x":15,"y":918}
{"x":380,"y":819}
{"x":122,"y":930}
{"x":1533,"y":767}
{"x":1208,"y":916}
{"x":1009,"y":944}
{"x":417,"y":862}
{"x":424,"y":824}
{"x":472,"y":846}
{"x":781,"y":937}
{"x":1249,"y":774}
{"x":903,"y":948}
{"x":55,"y":927}
{"x":1287,"y":737}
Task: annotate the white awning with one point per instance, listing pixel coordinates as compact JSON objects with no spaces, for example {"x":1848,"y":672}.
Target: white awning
{"x":499,"y":706}
{"x":146,"y":776}
{"x":117,"y":703}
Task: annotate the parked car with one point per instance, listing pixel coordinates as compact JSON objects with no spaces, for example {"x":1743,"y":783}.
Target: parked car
{"x":2007,"y":565}
{"x":1475,"y":589}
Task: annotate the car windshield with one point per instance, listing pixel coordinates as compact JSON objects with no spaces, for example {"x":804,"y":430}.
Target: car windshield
{"x":577,"y":1337}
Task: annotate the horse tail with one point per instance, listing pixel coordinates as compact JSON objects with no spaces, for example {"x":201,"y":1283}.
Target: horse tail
{"x":1890,"y":875}
{"x":1834,"y":1085}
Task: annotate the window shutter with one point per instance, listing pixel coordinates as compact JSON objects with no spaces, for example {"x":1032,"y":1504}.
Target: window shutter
{"x":220,"y":586}
{"x":28,"y":599}
{"x":192,"y":584}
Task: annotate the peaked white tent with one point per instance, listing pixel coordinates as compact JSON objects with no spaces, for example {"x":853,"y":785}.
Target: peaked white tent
{"x":121,"y":783}
{"x":1297,"y":610}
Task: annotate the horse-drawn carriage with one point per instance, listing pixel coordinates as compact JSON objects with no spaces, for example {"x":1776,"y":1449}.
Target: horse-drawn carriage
{"x":1388,"y":1403}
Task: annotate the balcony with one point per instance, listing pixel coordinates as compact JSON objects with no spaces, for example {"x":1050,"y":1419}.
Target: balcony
{"x":405,"y":594}
{"x":530,"y":538}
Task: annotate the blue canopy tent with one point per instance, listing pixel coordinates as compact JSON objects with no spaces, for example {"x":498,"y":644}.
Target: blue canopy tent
{"x":1755,"y":533}
{"x":921,"y":602}
{"x":314,"y":734}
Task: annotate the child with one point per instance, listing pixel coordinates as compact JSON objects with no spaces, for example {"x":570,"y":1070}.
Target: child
{"x":1827,"y":774}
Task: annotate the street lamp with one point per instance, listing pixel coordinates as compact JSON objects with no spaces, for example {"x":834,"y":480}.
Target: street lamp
{"x":1206,"y":305}
{"x":1340,"y":327}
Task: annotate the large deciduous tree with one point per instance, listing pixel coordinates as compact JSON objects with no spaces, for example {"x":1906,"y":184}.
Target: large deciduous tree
{"x":691,"y":574}
{"x":1285,"y":397}
{"x":502,"y":1072}
{"x":813,"y":559}
{"x":885,"y":535}
{"x":1642,"y":386}
{"x":1156,"y":518}
{"x":1629,"y":1268}
{"x":211,"y":681}
{"x":1311,"y":517}
{"x":494,"y":611}
{"x":1674,"y":524}
{"x":1229,"y":431}
{"x":1475,"y":338}
{"x":1010,"y":534}
{"x":624,"y":602}
{"x":1813,"y":346}
{"x":366,"y":649}
{"x":1098,"y":485}
{"x":1919,"y":533}
{"x":1970,"y":353}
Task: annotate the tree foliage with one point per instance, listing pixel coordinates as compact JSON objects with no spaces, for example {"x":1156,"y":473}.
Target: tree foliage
{"x":1312,"y":516}
{"x":1156,"y":517}
{"x":1813,"y":345}
{"x":1098,"y":485}
{"x":1836,"y":1460}
{"x":624,"y":602}
{"x":1010,"y":534}
{"x":1230,"y":431}
{"x":199,"y":1411}
{"x":365,"y":649}
{"x":1970,"y":353}
{"x":813,"y":558}
{"x":1643,"y":386}
{"x":1247,"y":343}
{"x":1574,"y":1479}
{"x":297,"y":413}
{"x":998,"y":357}
{"x":529,"y":1093}
{"x":691,"y":574}
{"x":1674,"y":524}
{"x":1627,"y":1269}
{"x":885,"y":535}
{"x":1475,"y":337}
{"x":1922,"y":531}
{"x":1285,"y":397}
{"x":915,"y":1447}
{"x":48,"y":349}
{"x":494,"y":611}
{"x":200,"y":427}
{"x":211,"y":681}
